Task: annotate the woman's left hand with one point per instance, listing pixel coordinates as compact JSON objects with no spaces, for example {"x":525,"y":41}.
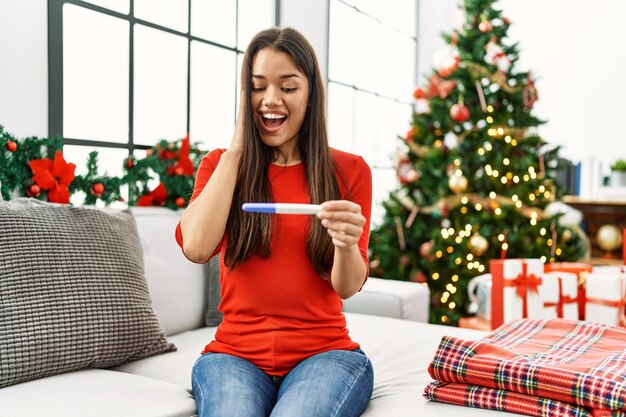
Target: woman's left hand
{"x":343,"y":221}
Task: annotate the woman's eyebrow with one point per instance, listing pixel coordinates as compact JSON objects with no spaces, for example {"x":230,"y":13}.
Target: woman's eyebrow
{"x":261,"y":77}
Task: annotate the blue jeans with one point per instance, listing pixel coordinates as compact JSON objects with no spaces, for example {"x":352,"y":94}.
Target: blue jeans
{"x":337,"y":383}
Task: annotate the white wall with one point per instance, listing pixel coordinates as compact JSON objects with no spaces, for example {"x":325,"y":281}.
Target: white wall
{"x":24,"y":67}
{"x":310,"y":18}
{"x":576,"y":50}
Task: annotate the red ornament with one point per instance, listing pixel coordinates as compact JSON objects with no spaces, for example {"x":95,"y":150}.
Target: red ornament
{"x":97,"y":189}
{"x":419,"y":277}
{"x":130,"y":163}
{"x":459,"y":112}
{"x":419,"y":93}
{"x":11,"y":146}
{"x":180,"y":202}
{"x":485,"y":26}
{"x":426,"y":250}
{"x":179,"y":171}
{"x":33,"y":191}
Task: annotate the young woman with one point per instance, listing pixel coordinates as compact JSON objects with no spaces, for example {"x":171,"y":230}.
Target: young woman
{"x":283,"y":347}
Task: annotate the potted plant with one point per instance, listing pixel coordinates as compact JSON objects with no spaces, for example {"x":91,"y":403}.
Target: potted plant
{"x":618,"y":173}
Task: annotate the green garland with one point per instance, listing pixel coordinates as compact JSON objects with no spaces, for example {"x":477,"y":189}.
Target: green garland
{"x":164,"y":163}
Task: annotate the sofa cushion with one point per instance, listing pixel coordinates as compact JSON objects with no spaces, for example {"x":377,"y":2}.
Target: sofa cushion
{"x":72,"y":292}
{"x":177,"y":286}
{"x":96,"y":393}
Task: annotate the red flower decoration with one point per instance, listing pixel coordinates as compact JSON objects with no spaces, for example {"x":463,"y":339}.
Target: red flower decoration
{"x":156,"y":197}
{"x":183,"y":166}
{"x":54,"y":176}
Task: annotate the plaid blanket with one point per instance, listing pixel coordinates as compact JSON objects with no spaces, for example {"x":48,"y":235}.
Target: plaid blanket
{"x":501,"y":400}
{"x":573,"y":362}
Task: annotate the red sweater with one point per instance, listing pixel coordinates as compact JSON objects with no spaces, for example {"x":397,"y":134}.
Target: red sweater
{"x":279,"y":311}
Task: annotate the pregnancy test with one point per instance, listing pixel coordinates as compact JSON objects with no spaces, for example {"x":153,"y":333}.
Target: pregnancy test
{"x":281,"y":208}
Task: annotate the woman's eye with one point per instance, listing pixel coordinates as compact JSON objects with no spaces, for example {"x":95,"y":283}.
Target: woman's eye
{"x":289,"y":90}
{"x":257,"y":89}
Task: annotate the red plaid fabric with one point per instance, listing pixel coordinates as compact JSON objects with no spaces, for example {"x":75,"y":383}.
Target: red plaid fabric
{"x":574,"y":362}
{"x":501,"y":400}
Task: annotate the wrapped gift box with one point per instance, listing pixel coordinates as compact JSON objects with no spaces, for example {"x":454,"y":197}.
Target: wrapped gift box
{"x":605,"y":297}
{"x":515,"y":289}
{"x":559,"y":292}
{"x":577,"y":268}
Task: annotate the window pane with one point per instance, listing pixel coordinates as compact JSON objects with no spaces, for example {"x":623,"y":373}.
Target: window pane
{"x":341,"y":47}
{"x":254,"y":16}
{"x":365,"y":127}
{"x":399,"y":17}
{"x":214,"y":21}
{"x":173,"y":14}
{"x":121,"y":6}
{"x":213,"y":73}
{"x":95,"y":75}
{"x":160,"y":90}
{"x":341,"y":117}
{"x":383,"y":181}
{"x":110,"y":160}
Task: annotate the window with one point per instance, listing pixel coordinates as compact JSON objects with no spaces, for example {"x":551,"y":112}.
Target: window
{"x":125,"y":74}
{"x":371,"y":78}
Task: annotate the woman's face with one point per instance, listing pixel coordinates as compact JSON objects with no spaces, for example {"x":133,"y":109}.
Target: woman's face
{"x":279,"y":98}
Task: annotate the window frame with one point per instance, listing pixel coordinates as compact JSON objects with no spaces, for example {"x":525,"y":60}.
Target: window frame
{"x":55,"y":66}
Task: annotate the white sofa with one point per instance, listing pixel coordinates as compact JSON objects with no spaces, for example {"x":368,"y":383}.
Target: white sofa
{"x":400,"y":346}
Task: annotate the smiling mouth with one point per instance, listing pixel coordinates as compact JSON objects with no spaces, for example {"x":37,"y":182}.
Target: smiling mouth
{"x":272,"y":121}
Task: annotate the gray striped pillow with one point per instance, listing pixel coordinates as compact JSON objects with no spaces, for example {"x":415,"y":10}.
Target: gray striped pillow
{"x":72,"y":292}
{"x":213,"y":316}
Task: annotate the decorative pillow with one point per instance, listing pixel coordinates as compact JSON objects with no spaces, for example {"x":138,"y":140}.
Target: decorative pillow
{"x":72,"y":292}
{"x":213,"y":316}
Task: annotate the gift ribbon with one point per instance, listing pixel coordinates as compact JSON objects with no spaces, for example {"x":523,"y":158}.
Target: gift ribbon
{"x":580,"y":269}
{"x":619,"y":304}
{"x":523,"y":284}
{"x":563,"y":299}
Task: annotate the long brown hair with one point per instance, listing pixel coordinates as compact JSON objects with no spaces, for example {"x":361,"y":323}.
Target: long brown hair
{"x":250,"y":234}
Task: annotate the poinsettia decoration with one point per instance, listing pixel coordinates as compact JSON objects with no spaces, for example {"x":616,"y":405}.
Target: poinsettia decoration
{"x":183,"y":165}
{"x":28,"y":168}
{"x":54,"y":176}
{"x":156,"y":197}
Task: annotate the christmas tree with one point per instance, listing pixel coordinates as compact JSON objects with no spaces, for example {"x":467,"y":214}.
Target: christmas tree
{"x":474,"y":176}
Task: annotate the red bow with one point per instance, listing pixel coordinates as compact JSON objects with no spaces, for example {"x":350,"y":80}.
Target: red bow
{"x":437,"y":86}
{"x":523,"y":284}
{"x":563,"y":299}
{"x":156,"y":197}
{"x":54,"y":176}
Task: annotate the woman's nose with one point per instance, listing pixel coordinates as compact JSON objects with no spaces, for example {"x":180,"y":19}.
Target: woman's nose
{"x":272,"y":97}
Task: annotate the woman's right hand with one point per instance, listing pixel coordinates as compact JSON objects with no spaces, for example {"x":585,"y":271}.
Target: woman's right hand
{"x":236,"y":145}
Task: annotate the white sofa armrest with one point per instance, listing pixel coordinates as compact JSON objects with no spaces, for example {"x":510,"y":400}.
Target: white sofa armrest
{"x":391,"y":298}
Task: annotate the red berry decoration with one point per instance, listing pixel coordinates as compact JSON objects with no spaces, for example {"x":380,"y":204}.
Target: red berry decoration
{"x":459,"y":112}
{"x":97,"y":189}
{"x":130,"y":163}
{"x":178,"y":171}
{"x":180,"y":202}
{"x":11,"y":146}
{"x":33,"y":191}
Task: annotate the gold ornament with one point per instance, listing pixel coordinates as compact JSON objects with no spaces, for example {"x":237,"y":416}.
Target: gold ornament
{"x":457,"y":183}
{"x":609,"y":237}
{"x":478,"y":245}
{"x":567,"y":235}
